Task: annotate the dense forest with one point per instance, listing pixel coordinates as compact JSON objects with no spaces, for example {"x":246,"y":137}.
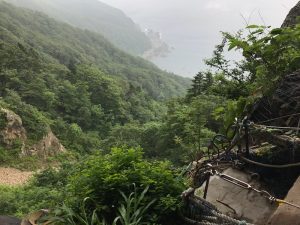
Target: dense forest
{"x":96,"y":16}
{"x":68,"y":72}
{"x":128,"y":127}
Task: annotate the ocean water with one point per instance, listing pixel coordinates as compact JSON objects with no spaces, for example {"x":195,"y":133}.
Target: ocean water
{"x":192,"y":27}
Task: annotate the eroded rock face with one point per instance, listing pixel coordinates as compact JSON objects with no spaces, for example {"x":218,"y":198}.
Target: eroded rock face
{"x":291,"y":18}
{"x":48,"y":146}
{"x":13,"y":129}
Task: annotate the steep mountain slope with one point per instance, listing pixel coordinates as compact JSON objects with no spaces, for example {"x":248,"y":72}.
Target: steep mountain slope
{"x":71,"y":46}
{"x":95,"y":16}
{"x":74,"y":82}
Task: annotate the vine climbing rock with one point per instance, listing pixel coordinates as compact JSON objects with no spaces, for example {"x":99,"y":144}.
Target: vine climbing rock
{"x":291,"y":18}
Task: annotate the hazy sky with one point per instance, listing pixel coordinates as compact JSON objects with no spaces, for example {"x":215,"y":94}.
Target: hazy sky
{"x":192,"y":26}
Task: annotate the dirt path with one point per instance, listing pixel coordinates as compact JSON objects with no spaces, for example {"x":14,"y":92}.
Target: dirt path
{"x":13,"y":177}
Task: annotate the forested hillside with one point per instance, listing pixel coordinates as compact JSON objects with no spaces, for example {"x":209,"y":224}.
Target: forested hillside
{"x":93,"y":97}
{"x":125,"y":129}
{"x":96,"y":16}
{"x":71,"y":46}
{"x":75,"y":81}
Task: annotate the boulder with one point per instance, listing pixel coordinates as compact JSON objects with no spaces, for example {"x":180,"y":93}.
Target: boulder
{"x":31,"y":219}
{"x":13,"y":129}
{"x":7,"y":220}
{"x":48,"y":146}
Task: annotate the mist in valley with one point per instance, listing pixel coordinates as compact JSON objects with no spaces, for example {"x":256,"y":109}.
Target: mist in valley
{"x":192,"y":28}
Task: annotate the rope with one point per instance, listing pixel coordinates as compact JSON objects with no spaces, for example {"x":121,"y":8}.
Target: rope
{"x":194,"y":222}
{"x":298,"y":127}
{"x":201,"y":212}
{"x":277,"y":118}
{"x":247,"y":186}
{"x":230,"y":220}
{"x":282,"y":128}
{"x":280,"y":201}
{"x":270,"y":165}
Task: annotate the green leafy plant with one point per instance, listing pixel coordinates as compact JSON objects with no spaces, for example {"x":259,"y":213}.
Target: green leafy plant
{"x":66,"y":215}
{"x":268,"y":54}
{"x":132,"y":212}
{"x":101,"y":177}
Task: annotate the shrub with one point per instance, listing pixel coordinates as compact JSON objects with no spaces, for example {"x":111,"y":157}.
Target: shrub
{"x":130,"y":212}
{"x":21,"y":201}
{"x":7,"y":200}
{"x":102,"y":177}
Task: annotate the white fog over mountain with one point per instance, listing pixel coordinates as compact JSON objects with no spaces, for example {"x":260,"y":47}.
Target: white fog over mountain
{"x":192,"y":27}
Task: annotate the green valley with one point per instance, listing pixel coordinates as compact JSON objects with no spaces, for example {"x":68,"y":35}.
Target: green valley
{"x":102,"y":137}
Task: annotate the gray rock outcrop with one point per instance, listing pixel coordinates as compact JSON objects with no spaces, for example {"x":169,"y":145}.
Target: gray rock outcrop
{"x":48,"y":146}
{"x":291,"y":18}
{"x":12,"y":130}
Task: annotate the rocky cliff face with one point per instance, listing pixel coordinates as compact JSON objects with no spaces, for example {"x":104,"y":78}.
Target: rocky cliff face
{"x":291,"y":18}
{"x":12,"y":130}
{"x":282,"y":108}
{"x":48,"y":146}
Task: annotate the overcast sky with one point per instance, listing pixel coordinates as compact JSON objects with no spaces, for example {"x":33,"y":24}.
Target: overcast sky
{"x":192,"y":26}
